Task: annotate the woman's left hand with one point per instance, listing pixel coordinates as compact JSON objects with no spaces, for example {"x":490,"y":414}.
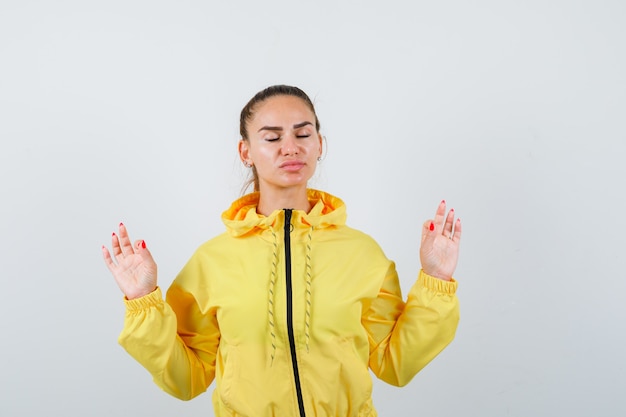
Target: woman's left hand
{"x":439,"y":251}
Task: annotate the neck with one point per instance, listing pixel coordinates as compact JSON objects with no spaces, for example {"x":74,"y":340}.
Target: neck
{"x":271,"y":200}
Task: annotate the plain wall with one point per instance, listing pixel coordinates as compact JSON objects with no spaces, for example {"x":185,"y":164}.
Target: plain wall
{"x":513,"y":111}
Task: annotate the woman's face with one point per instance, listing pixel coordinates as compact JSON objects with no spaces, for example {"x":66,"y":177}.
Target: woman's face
{"x":283,"y":143}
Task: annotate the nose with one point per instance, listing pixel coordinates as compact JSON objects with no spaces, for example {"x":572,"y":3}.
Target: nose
{"x":289,"y":145}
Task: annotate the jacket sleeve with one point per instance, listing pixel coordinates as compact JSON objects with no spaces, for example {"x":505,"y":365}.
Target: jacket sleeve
{"x":178,"y":353}
{"x":405,"y":337}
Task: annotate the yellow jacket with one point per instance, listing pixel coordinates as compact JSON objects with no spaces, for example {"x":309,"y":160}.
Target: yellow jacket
{"x":288,"y":323}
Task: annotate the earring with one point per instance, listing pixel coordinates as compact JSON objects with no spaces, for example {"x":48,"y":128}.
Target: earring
{"x":319,"y":159}
{"x":247,"y":164}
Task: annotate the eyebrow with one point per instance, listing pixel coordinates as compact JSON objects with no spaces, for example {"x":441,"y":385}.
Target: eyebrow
{"x":278,"y":128}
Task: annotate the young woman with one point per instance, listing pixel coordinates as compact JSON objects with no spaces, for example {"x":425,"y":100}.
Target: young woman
{"x":289,"y":308}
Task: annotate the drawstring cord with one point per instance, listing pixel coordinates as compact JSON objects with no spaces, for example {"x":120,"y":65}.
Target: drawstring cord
{"x":307,"y":317}
{"x":271,"y":293}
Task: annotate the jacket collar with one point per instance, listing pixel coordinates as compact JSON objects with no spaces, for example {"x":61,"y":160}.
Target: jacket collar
{"x":242,"y":218}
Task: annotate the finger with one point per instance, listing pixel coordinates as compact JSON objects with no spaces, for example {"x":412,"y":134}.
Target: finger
{"x":425,"y":228}
{"x":142,"y":250}
{"x":456,"y":237}
{"x":439,"y":216}
{"x":428,"y":230}
{"x":107,"y":258}
{"x":447,"y":227}
{"x":115,"y":245}
{"x":146,"y":257}
{"x":125,"y":244}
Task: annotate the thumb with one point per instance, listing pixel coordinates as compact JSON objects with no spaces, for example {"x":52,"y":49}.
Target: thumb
{"x":142,"y":250}
{"x":428,"y":231}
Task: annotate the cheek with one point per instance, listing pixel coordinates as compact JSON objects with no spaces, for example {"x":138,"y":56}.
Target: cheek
{"x":315,"y":149}
{"x":262,"y":154}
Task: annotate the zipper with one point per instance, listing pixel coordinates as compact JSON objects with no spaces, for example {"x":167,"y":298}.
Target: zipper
{"x":292,"y":341}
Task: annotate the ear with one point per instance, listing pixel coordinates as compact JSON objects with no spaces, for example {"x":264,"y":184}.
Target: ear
{"x":244,"y":152}
{"x":321,"y":139}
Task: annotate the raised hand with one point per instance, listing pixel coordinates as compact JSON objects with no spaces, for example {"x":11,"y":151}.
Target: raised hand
{"x":439,"y":251}
{"x":134,"y":269}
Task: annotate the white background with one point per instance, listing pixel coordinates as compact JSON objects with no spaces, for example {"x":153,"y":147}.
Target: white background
{"x":513,"y":111}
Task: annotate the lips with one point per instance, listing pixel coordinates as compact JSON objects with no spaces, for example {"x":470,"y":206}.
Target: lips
{"x":292,"y":165}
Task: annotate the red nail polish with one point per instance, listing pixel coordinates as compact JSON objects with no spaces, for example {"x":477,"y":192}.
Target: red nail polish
{"x":443,"y":201}
{"x":113,"y":234}
{"x":121,"y":224}
{"x":451,"y":209}
{"x":432,"y":226}
{"x":143,"y":244}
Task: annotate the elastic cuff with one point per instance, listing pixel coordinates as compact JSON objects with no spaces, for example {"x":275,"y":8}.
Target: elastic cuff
{"x":436,"y":284}
{"x":149,"y":300}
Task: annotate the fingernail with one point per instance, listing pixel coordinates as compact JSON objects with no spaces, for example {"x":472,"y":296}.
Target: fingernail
{"x":451,"y":209}
{"x":432,"y":226}
{"x":121,"y":224}
{"x":113,"y":234}
{"x":443,"y":201}
{"x":143,"y":244}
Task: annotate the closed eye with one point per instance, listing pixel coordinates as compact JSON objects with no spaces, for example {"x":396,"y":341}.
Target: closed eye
{"x":302,"y":136}
{"x":271,"y":139}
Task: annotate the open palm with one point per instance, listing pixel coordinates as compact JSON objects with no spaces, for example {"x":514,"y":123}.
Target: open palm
{"x":133,"y":269}
{"x":439,"y":251}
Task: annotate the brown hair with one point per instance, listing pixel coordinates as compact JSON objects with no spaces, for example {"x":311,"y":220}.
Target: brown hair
{"x":247,"y":113}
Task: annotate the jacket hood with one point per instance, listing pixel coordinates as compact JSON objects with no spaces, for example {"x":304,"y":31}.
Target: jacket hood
{"x":242,"y":218}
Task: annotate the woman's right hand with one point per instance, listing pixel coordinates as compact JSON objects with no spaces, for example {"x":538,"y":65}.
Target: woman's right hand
{"x":134,"y":269}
